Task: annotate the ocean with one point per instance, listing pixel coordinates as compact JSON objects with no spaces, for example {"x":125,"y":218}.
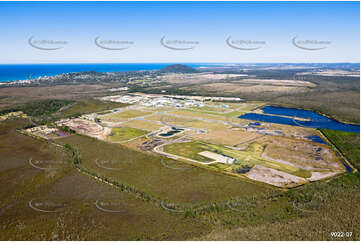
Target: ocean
{"x":13,"y":72}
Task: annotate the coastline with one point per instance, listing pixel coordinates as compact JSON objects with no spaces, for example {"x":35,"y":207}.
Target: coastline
{"x":42,"y":70}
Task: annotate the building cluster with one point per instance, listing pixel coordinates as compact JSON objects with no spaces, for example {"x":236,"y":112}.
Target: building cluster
{"x":166,"y":101}
{"x":203,"y":98}
{"x":15,"y":83}
{"x":118,"y":89}
{"x":123,"y":99}
{"x":220,"y":158}
{"x":154,"y":101}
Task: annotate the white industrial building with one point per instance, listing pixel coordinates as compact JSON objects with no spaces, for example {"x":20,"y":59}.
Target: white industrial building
{"x":217,"y":157}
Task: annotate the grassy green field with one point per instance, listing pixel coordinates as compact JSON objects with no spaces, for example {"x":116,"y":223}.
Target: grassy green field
{"x":146,"y":173}
{"x":125,"y":133}
{"x":348,"y":143}
{"x":211,"y":109}
{"x":127,"y":114}
{"x":188,"y":150}
{"x":88,"y":106}
{"x":250,"y":156}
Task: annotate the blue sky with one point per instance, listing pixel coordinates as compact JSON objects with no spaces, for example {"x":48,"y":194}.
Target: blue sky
{"x":274,"y":24}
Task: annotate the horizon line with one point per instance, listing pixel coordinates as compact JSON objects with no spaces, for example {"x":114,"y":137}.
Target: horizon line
{"x":201,"y":62}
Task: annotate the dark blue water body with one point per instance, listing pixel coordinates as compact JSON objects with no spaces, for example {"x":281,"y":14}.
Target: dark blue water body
{"x":316,"y":138}
{"x":12,"y":72}
{"x":293,"y":112}
{"x":172,"y":132}
{"x":348,"y":168}
{"x":315,"y":120}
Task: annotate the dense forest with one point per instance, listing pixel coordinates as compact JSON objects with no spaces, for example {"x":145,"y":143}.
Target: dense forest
{"x":39,"y":108}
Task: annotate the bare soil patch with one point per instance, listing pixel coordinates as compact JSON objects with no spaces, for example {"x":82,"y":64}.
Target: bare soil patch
{"x":274,"y":177}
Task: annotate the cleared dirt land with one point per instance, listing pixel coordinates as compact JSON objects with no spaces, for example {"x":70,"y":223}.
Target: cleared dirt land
{"x":303,"y":154}
{"x":277,"y":82}
{"x":142,"y":124}
{"x":175,"y":78}
{"x":274,"y":177}
{"x":254,"y":88}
